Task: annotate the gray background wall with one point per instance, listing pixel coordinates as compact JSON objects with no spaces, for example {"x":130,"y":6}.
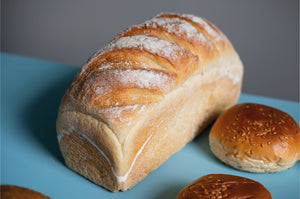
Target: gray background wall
{"x":264,"y":32}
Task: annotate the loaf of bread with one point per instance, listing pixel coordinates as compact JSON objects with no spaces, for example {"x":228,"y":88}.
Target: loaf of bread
{"x":224,"y":186}
{"x":146,"y":94}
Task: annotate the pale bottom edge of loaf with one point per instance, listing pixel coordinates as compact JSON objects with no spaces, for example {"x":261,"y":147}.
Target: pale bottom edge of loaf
{"x":190,"y":119}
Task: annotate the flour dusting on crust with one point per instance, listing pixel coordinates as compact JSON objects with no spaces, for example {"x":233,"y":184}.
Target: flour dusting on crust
{"x":205,"y":25}
{"x":176,"y":26}
{"x":152,"y":45}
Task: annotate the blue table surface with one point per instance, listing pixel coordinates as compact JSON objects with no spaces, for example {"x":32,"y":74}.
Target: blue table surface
{"x":31,"y":90}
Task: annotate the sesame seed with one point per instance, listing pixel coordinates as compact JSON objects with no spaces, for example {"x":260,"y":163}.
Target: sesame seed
{"x":261,"y":144}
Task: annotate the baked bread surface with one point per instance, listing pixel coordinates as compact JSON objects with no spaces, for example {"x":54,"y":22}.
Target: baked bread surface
{"x":146,"y":94}
{"x":17,"y":192}
{"x":224,"y":186}
{"x":256,"y":138}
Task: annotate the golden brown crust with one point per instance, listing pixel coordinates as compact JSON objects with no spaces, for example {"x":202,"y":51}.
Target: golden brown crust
{"x":17,"y":192}
{"x":224,"y":186}
{"x":256,"y":138}
{"x":136,"y":93}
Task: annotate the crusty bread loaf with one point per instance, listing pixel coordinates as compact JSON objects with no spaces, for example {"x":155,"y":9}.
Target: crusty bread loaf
{"x":224,"y":186}
{"x":256,"y":138}
{"x":144,"y":96}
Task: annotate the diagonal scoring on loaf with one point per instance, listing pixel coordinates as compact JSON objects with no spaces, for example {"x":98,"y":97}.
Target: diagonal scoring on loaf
{"x":178,"y":27}
{"x":173,"y":53}
{"x":118,"y":79}
{"x":110,"y":82}
{"x":174,"y":27}
{"x":211,"y":32}
{"x":175,"y":30}
{"x":151,"y":44}
{"x":210,"y":29}
{"x":148,"y":59}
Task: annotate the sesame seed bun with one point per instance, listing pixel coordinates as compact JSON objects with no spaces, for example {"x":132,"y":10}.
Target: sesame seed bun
{"x":16,"y":192}
{"x":255,"y":138}
{"x":224,"y":186}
